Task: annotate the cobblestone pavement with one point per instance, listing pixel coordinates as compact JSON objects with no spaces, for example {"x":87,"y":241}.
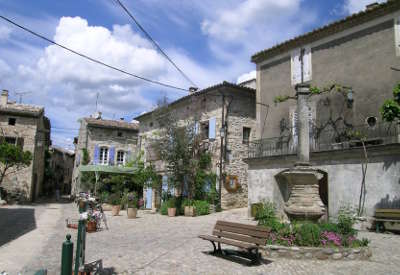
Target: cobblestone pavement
{"x":155,"y":244}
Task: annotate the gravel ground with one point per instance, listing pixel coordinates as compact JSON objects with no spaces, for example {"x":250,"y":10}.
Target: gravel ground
{"x":155,"y":244}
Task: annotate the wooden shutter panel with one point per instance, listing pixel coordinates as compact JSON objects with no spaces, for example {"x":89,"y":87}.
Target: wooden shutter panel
{"x":211,"y":128}
{"x":111,"y":156}
{"x":307,"y":65}
{"x":295,"y":67}
{"x":96,"y":155}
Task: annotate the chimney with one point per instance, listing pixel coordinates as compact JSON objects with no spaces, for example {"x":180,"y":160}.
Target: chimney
{"x":96,"y":115}
{"x":371,"y":6}
{"x":4,"y":98}
{"x":193,"y":89}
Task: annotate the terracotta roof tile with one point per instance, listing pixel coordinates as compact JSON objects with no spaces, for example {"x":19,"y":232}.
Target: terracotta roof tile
{"x":22,"y":109}
{"x":116,"y":124}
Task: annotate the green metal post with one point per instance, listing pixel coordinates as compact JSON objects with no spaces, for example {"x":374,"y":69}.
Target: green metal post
{"x":67,"y":256}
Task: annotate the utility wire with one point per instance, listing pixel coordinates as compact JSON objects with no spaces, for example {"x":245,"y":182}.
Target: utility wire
{"x":92,"y":59}
{"x":154,"y":42}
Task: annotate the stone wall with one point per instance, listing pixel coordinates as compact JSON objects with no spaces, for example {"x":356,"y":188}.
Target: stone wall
{"x":355,"y":57}
{"x":241,"y":113}
{"x":31,"y":129}
{"x":316,"y":253}
{"x":344,"y":177}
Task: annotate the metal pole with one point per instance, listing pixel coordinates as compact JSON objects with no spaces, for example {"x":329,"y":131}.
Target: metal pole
{"x":67,"y":256}
{"x":221,"y":154}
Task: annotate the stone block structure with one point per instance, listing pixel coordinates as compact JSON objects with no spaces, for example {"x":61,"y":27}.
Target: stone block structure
{"x":360,"y":53}
{"x":62,"y":163}
{"x":107,"y":143}
{"x":204,"y":109}
{"x":25,"y":126}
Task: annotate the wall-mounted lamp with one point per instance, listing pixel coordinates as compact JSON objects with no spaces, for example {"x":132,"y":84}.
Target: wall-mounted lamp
{"x":350,"y":99}
{"x":222,"y":132}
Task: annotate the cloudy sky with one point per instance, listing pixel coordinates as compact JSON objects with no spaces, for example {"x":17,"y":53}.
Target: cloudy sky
{"x":210,"y":40}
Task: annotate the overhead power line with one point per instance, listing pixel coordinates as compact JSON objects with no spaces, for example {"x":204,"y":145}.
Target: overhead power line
{"x":90,"y":58}
{"x":154,"y":42}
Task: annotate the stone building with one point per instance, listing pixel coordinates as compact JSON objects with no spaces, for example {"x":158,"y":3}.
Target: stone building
{"x":62,"y":164}
{"x":25,"y":126}
{"x":360,"y":53}
{"x":107,"y":142}
{"x":204,"y":109}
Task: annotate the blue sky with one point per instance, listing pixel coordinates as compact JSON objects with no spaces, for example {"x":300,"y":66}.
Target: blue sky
{"x":211,"y":41}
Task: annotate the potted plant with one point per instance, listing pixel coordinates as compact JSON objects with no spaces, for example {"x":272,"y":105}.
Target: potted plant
{"x":115,"y":201}
{"x":171,"y":204}
{"x":104,"y":201}
{"x":91,"y":222}
{"x":132,"y":202}
{"x":189,"y":208}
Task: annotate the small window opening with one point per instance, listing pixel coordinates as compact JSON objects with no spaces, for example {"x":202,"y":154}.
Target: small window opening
{"x":11,"y":121}
{"x":119,"y":134}
{"x":11,"y":140}
{"x":151,"y":124}
{"x":204,"y":128}
{"x":371,"y":121}
{"x":246,"y":135}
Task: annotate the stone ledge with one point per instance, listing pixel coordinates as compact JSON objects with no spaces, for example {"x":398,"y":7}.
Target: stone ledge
{"x":316,"y":253}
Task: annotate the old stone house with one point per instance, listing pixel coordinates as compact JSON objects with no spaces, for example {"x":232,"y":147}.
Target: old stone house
{"x":25,"y":126}
{"x":108,"y":143}
{"x":361,"y":53}
{"x":206,"y":110}
{"x":62,"y":164}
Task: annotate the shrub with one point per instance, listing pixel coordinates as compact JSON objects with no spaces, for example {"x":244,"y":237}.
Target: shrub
{"x":164,"y":209}
{"x":201,"y":207}
{"x":132,"y":200}
{"x":265,"y":215}
{"x":346,"y":220}
{"x":308,"y":234}
{"x":104,"y":197}
{"x":171,"y":203}
{"x":329,"y":227}
{"x":114,"y":199}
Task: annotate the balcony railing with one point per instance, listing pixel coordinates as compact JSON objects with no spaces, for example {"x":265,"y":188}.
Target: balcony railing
{"x":327,"y":140}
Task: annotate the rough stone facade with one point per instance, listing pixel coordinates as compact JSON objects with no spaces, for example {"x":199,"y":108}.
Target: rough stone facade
{"x":25,"y":126}
{"x":62,"y":163}
{"x":200,"y":107}
{"x":96,"y":133}
{"x":357,"y":52}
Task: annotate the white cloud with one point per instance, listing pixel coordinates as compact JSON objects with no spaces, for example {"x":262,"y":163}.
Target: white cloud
{"x":246,"y":77}
{"x":353,"y":6}
{"x":4,"y":32}
{"x":5,"y":69}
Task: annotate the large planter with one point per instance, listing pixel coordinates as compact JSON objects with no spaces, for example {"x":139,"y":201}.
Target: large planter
{"x":106,"y":207}
{"x":91,"y":226}
{"x":132,"y":212}
{"x":171,"y":212}
{"x":115,"y":210}
{"x":189,"y":211}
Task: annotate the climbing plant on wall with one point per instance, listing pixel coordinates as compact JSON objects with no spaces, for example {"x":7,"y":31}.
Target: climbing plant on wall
{"x":390,"y":110}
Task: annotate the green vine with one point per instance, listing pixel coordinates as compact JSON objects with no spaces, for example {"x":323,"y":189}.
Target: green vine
{"x":390,"y":110}
{"x":279,"y":98}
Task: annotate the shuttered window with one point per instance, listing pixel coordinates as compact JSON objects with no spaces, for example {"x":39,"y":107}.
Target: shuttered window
{"x":295,"y":63}
{"x":212,"y":128}
{"x":120,"y":158}
{"x":103,"y":160}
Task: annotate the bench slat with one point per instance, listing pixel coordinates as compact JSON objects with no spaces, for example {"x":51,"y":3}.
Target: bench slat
{"x":253,"y":233}
{"x":244,"y":226}
{"x":226,"y":241}
{"x":243,"y":238}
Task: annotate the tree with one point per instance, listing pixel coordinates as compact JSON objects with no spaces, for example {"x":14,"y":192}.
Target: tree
{"x":390,"y":110}
{"x":12,"y":159}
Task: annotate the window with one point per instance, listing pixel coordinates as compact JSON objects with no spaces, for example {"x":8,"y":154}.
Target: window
{"x":119,"y":134}
{"x":151,"y":124}
{"x":371,"y":121}
{"x":204,"y":129}
{"x":103,"y":155}
{"x":11,"y":121}
{"x":246,"y":135}
{"x":120,"y":158}
{"x":11,"y":140}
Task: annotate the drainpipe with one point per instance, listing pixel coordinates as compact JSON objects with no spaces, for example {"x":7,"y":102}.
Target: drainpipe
{"x":222,"y":134}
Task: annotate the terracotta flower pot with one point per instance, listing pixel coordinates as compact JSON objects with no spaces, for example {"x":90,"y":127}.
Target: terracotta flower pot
{"x":91,"y":226}
{"x":115,"y":210}
{"x":171,"y":212}
{"x":132,"y":212}
{"x":189,"y":211}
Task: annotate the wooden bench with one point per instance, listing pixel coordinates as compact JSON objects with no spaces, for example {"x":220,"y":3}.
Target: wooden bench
{"x":244,"y":236}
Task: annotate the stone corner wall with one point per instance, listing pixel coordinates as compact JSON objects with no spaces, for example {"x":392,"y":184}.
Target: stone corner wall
{"x":316,"y":253}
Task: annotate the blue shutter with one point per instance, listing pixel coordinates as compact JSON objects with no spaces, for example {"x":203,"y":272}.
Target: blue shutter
{"x":96,"y":154}
{"x":111,"y":156}
{"x":128,"y":156}
{"x":196,"y":128}
{"x":211,"y":128}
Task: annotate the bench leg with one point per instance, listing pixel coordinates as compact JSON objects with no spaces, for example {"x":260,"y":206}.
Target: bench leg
{"x":254,"y":255}
{"x":215,"y":248}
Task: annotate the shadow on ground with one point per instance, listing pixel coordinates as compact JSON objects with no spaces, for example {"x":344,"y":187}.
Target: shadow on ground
{"x":236,"y":257}
{"x":15,"y":223}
